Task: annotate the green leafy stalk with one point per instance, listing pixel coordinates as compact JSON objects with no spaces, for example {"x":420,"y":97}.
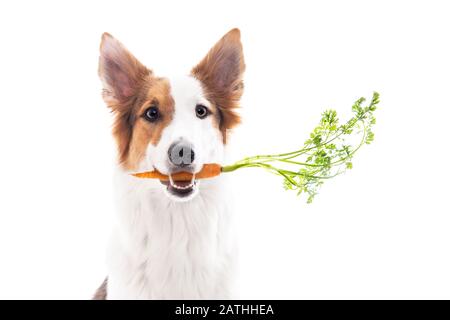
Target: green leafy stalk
{"x":327,"y":153}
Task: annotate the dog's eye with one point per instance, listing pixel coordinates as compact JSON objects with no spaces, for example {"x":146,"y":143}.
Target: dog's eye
{"x":201,"y":111}
{"x":151,"y":114}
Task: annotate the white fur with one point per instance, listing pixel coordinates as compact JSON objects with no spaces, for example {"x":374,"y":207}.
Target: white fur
{"x":162,"y":248}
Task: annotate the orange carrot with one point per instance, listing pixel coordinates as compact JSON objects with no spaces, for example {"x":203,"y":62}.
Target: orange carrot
{"x":208,"y":171}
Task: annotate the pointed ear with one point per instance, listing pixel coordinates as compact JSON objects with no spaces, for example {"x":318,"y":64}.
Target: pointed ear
{"x":222,"y":68}
{"x":221,"y":74}
{"x":121,"y":73}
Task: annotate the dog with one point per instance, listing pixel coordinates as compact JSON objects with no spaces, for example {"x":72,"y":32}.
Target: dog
{"x":171,"y":239}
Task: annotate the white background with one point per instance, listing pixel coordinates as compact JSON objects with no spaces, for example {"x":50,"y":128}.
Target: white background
{"x":380,"y":231}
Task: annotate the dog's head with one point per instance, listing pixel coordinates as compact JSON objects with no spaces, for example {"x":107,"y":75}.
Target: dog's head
{"x":176,"y":124}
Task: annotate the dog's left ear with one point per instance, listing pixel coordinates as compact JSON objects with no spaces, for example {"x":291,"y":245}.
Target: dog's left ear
{"x":221,"y":72}
{"x":123,"y":77}
{"x":121,"y":73}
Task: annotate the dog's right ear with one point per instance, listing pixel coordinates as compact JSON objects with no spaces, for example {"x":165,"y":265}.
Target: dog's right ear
{"x":221,"y":72}
{"x":121,"y":73}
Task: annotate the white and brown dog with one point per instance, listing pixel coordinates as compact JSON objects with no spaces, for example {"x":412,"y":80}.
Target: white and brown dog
{"x":171,"y":240}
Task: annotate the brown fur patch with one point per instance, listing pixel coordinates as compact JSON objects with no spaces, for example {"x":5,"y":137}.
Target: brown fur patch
{"x":220,"y":73}
{"x":145,"y":132}
{"x":102,"y":291}
{"x":129,"y":89}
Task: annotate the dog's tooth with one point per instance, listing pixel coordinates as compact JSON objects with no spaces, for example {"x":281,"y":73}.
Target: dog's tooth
{"x":171,"y":180}
{"x":180,"y":187}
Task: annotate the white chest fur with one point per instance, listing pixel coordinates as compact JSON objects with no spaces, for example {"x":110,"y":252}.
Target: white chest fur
{"x":162,"y":249}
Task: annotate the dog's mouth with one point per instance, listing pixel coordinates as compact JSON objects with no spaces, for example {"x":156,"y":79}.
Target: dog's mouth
{"x":180,"y":189}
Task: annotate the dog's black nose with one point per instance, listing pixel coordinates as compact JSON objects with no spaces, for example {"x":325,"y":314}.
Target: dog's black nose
{"x":181,"y":154}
